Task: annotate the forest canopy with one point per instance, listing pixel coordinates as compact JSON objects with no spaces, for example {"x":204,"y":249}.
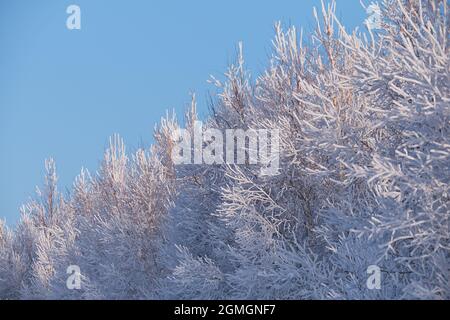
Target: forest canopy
{"x":364,"y":170}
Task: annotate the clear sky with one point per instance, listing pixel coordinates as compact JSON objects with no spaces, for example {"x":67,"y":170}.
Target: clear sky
{"x":64,"y":92}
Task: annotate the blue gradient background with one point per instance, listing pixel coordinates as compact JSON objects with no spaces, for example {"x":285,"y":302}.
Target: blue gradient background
{"x":64,"y":92}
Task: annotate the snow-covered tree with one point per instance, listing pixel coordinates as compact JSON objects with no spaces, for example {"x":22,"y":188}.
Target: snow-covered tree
{"x":364,"y":146}
{"x":364,"y":130}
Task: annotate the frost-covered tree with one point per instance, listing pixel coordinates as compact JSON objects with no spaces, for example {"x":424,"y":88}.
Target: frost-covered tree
{"x":364,"y":130}
{"x":121,"y":214}
{"x":111,"y":226}
{"x":364,"y":121}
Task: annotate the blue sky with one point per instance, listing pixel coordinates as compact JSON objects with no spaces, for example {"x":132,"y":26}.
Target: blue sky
{"x":64,"y":92}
